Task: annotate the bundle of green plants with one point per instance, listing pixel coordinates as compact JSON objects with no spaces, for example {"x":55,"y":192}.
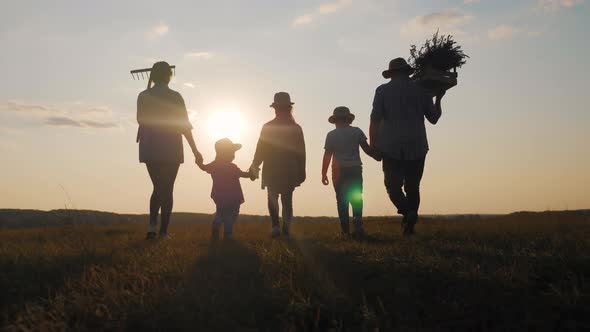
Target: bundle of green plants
{"x":441,"y":52}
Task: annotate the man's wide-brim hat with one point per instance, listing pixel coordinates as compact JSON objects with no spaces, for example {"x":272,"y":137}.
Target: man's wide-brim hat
{"x":282,"y":99}
{"x":398,"y":65}
{"x":226,"y":145}
{"x":341,"y":112}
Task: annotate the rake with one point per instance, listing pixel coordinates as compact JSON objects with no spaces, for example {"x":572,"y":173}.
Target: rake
{"x":137,"y":72}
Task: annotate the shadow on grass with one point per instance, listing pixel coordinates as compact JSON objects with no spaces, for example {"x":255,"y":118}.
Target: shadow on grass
{"x":223,"y":291}
{"x":323,"y":285}
{"x":389,"y":294}
{"x":25,"y":280}
{"x":35,"y":279}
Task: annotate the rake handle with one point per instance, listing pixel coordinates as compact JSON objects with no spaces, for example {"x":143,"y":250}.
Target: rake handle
{"x":147,"y":70}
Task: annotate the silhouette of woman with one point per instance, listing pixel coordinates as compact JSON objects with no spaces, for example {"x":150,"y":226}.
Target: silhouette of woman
{"x":281,"y":148}
{"x":163,"y":120}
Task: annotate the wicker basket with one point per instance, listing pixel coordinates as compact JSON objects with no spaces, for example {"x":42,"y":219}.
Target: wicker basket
{"x":436,"y":81}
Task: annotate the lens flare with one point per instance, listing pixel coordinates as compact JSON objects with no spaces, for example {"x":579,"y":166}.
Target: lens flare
{"x":355,"y":193}
{"x":228,"y":124}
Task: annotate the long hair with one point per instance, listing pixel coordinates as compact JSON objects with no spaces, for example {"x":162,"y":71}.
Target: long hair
{"x":285,"y":113}
{"x":161,"y":72}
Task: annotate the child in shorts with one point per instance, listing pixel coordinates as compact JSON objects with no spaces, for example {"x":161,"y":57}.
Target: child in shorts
{"x":227,"y":191}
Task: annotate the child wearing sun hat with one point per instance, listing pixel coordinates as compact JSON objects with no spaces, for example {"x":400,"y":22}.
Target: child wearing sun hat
{"x":342,"y":149}
{"x":227,"y":191}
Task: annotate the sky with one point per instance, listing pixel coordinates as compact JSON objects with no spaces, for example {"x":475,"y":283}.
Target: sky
{"x":513,"y":136}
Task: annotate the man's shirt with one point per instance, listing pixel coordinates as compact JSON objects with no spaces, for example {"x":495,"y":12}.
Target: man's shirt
{"x":400,"y":107}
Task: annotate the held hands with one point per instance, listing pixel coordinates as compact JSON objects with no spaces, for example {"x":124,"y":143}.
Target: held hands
{"x":253,"y":175}
{"x":198,"y":158}
{"x":325,"y":180}
{"x":254,"y":172}
{"x":200,"y":164}
{"x":375,"y":153}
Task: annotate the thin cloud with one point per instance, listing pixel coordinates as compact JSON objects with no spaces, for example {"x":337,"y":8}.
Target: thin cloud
{"x":199,"y":55}
{"x":75,"y":114}
{"x":97,"y":124}
{"x":324,"y":9}
{"x":555,"y":5}
{"x":332,"y":7}
{"x":98,"y":110}
{"x":189,"y":85}
{"x":157,"y":31}
{"x":469,"y":2}
{"x":447,"y":21}
{"x":61,"y":121}
{"x":64,"y":121}
{"x":24,"y":107}
{"x":303,"y":20}
{"x":502,"y":32}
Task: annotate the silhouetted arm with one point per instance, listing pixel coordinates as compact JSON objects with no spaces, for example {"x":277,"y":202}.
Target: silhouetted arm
{"x":186,"y":129}
{"x":367,"y":149}
{"x":140,"y":109}
{"x":373,"y":127}
{"x":260,"y":150}
{"x":202,"y":166}
{"x":325,"y":165}
{"x":302,"y":156}
{"x":376,"y":117}
{"x":433,"y":112}
{"x":191,"y":142}
{"x":139,"y":117}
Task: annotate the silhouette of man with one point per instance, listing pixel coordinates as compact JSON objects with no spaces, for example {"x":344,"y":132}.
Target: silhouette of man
{"x":398,"y":134}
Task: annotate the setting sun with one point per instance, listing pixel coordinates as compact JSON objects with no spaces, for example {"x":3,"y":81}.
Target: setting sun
{"x":228,"y":124}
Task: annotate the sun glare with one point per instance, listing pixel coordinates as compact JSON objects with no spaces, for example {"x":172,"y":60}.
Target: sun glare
{"x":228,"y":124}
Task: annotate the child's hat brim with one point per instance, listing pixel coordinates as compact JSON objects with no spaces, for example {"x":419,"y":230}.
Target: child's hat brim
{"x":227,"y":145}
{"x":233,"y":147}
{"x":350,"y":117}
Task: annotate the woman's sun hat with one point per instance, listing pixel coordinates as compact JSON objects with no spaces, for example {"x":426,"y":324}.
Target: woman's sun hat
{"x":226,"y":145}
{"x":341,"y":112}
{"x":397,"y":65}
{"x":282,"y":99}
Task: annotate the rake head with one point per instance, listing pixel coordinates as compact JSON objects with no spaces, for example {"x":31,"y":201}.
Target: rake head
{"x":138,"y":74}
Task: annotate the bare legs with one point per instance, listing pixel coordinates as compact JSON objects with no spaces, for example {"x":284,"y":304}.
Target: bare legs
{"x":163,"y":177}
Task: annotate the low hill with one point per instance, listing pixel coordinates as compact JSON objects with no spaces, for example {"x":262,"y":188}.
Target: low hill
{"x":14,"y":218}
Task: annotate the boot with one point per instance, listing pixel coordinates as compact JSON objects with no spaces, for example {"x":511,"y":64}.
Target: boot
{"x":359,"y":232}
{"x":410,"y":222}
{"x":215,"y":234}
{"x":286,"y":229}
{"x":345,"y":227}
{"x":276,"y":232}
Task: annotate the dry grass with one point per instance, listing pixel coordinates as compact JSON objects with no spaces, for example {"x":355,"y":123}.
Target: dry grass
{"x":489,"y":274}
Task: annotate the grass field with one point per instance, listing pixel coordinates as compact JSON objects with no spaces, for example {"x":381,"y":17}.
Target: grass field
{"x":496,"y":274}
